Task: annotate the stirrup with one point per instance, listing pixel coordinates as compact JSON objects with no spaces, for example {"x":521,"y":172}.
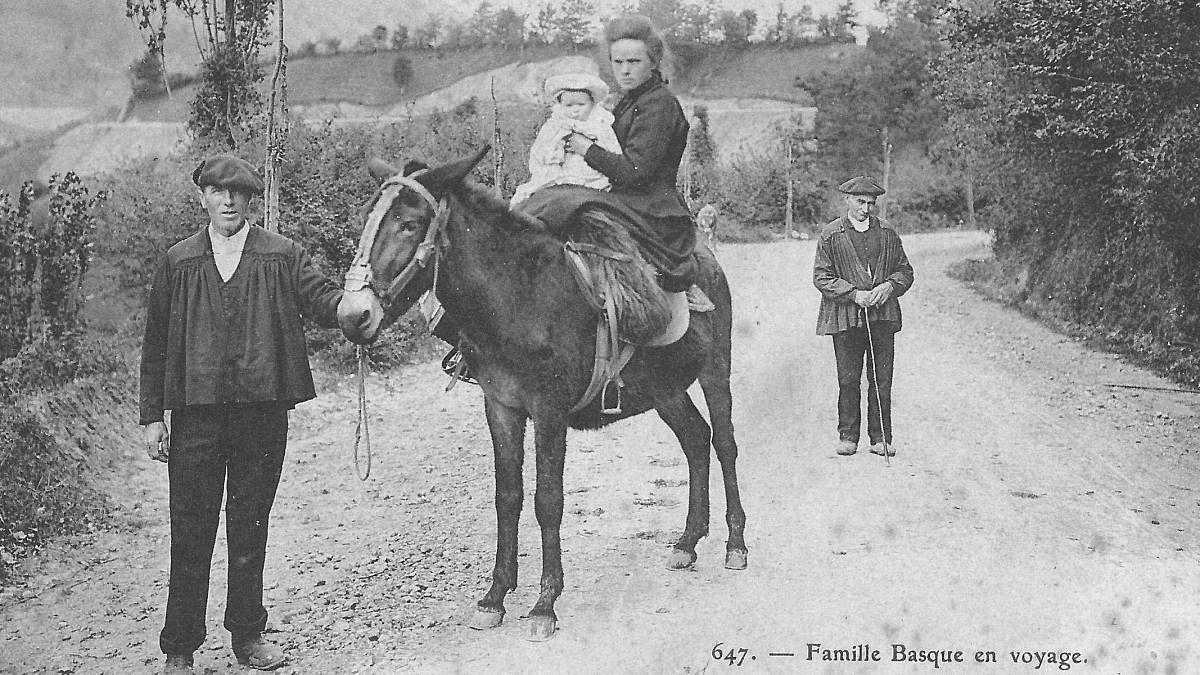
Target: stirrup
{"x":610,"y":403}
{"x":454,"y":365}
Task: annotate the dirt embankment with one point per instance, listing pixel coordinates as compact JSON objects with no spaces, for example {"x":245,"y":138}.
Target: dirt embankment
{"x":1032,"y":510}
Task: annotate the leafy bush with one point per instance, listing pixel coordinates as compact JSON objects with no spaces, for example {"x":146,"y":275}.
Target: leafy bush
{"x":45,"y":490}
{"x":750,"y":193}
{"x":45,"y":249}
{"x":402,"y":72}
{"x":1091,"y":122}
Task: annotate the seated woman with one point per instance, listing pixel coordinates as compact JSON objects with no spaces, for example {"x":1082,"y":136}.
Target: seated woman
{"x":652,"y":131}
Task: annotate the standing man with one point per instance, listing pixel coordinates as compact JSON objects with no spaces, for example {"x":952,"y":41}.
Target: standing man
{"x":225,"y":352}
{"x":861,"y":270}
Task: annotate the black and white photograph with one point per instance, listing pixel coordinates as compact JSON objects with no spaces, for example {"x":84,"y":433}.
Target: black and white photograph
{"x":599,"y":336}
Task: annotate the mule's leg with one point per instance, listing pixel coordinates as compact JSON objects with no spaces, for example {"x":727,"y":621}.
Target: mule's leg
{"x":550,"y":439}
{"x":715,"y":383}
{"x":507,"y":426}
{"x":693,"y":433}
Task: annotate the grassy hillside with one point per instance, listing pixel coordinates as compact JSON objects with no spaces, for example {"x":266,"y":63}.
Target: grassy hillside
{"x":699,"y":71}
{"x":758,"y":71}
{"x":74,"y":52}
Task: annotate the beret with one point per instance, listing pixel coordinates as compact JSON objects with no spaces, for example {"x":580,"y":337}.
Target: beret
{"x":227,"y":171}
{"x":861,"y":185}
{"x":557,"y":84}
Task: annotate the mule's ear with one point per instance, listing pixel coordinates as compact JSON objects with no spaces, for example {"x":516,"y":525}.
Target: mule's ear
{"x":414,"y":165}
{"x":454,"y":172}
{"x":380,"y":170}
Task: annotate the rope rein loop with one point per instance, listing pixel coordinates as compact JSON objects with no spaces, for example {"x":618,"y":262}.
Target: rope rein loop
{"x":362,"y":431}
{"x":360,"y":277}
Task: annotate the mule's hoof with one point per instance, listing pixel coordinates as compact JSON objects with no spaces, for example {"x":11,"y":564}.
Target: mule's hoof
{"x":541,"y":628}
{"x":485,"y":619}
{"x":680,"y":559}
{"x":735,"y":560}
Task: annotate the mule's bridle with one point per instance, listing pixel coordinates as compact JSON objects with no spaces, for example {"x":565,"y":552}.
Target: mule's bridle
{"x":360,"y":276}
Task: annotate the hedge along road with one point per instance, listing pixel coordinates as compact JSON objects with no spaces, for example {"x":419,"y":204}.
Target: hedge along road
{"x":1032,"y":514}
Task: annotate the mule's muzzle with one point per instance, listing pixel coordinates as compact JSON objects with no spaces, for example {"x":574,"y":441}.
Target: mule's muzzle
{"x":360,"y":315}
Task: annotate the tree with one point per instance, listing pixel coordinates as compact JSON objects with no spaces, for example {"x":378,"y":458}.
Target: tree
{"x":733,"y":28}
{"x":509,"y":27}
{"x":888,"y":86}
{"x":480,"y":28}
{"x":146,"y":75}
{"x":778,"y":31}
{"x":429,"y":34}
{"x":695,"y":22}
{"x":402,"y":72}
{"x":379,"y":36}
{"x":802,"y":26}
{"x":456,"y":34}
{"x":400,"y":36}
{"x":1093,"y":106}
{"x":544,"y":26}
{"x":751,"y":18}
{"x":664,"y":14}
{"x":573,"y":23}
{"x":228,"y":97}
{"x":845,"y":19}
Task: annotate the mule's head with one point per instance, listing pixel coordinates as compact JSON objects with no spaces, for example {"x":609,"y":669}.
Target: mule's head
{"x":399,"y":243}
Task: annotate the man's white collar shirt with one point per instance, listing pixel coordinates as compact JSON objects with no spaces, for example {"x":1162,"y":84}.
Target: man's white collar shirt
{"x":227,"y":251}
{"x":859,"y":225}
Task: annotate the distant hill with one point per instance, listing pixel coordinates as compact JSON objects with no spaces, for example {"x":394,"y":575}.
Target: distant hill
{"x":364,"y":81}
{"x":75,"y":53}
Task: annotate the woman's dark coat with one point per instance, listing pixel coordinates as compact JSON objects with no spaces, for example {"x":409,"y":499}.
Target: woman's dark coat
{"x":653,"y":132}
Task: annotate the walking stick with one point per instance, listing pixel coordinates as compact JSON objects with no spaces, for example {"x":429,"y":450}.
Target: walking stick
{"x":887,"y":457}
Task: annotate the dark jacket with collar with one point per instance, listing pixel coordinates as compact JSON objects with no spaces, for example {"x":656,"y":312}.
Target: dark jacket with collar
{"x":838,"y":272}
{"x":653,"y":131}
{"x":210,"y":341}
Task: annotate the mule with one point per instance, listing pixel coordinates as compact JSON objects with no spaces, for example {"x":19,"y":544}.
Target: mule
{"x":528,"y":335}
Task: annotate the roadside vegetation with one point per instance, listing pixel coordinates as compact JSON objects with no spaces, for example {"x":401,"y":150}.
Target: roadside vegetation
{"x":1070,"y":133}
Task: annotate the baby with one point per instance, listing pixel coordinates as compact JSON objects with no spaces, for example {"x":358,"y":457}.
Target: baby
{"x":575,"y":107}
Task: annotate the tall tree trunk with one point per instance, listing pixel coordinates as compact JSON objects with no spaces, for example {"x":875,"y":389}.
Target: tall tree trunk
{"x":971,"y":200}
{"x":230,"y":8}
{"x":887,"y":170}
{"x":787,"y":215}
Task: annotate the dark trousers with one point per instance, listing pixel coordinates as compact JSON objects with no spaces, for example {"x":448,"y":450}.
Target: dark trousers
{"x":851,"y":348}
{"x":207,"y":443}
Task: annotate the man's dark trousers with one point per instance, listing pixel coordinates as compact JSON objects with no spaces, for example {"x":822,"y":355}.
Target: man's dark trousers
{"x":849,"y":348}
{"x":246,"y":441}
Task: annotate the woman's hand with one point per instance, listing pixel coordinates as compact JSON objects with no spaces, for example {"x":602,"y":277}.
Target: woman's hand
{"x":577,"y":143}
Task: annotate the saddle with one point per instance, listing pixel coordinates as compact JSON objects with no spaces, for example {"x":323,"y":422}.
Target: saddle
{"x":609,"y":263}
{"x":598,"y":235}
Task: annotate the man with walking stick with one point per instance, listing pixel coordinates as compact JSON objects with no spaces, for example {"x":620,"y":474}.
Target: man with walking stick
{"x":860,"y":270}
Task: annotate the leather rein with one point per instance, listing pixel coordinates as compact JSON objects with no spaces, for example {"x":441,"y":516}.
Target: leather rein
{"x":360,"y":276}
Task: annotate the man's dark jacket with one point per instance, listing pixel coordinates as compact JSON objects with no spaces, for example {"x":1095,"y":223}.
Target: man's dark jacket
{"x":838,"y":272}
{"x":209,"y":341}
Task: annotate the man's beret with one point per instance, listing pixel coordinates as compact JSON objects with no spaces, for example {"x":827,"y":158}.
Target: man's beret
{"x":861,"y":185}
{"x":227,"y":171}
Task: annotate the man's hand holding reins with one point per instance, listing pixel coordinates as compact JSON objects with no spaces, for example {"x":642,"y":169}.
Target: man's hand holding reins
{"x":158,"y":441}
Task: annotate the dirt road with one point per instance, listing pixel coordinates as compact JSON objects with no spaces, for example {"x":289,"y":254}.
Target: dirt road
{"x":1032,"y":512}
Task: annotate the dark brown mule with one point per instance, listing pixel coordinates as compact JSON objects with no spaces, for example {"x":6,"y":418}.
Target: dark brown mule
{"x":529,"y":337}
